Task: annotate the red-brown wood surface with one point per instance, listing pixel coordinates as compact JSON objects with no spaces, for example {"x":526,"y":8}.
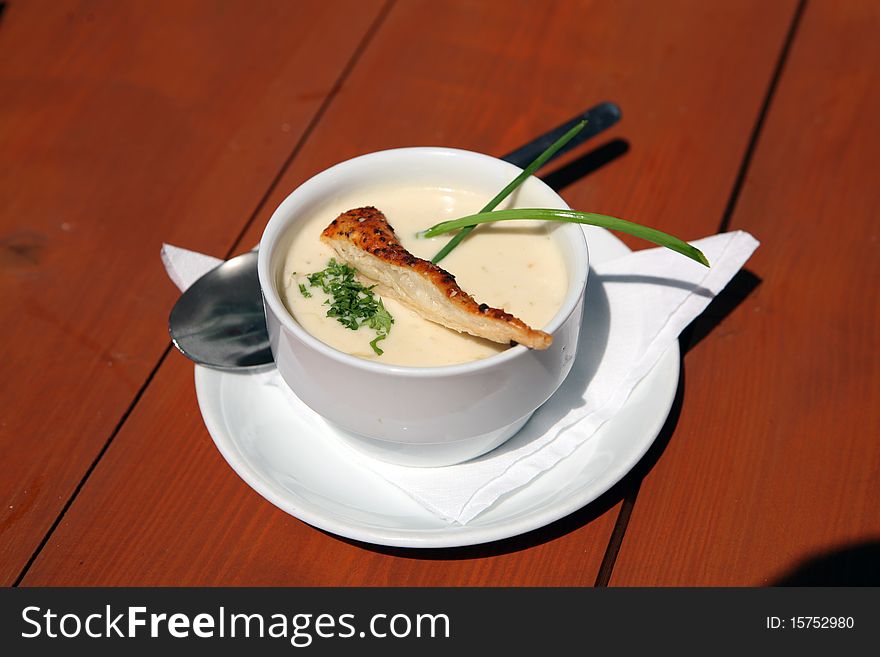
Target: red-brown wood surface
{"x":162,"y":506}
{"x":773,"y":472}
{"x":123,"y":125}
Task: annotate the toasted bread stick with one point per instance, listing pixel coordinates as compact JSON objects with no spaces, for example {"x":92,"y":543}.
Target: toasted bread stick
{"x":363,"y":239}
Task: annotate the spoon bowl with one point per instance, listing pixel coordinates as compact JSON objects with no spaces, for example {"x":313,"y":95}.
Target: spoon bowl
{"x":219,"y":321}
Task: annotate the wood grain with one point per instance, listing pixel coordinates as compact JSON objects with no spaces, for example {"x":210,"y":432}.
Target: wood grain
{"x":163,"y":508}
{"x":124,"y":125}
{"x":774,"y":472}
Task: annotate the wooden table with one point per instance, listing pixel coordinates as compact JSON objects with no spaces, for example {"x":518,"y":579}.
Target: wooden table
{"x":127,"y":124}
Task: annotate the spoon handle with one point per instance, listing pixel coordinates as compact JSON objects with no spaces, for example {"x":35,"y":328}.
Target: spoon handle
{"x":599,"y":118}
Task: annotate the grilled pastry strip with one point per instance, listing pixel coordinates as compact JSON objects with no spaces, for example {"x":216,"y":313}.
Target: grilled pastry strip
{"x":364,"y":239}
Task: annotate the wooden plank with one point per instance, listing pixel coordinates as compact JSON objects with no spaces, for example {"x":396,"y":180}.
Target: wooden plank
{"x":123,"y":125}
{"x":772,"y":475}
{"x":459,"y":74}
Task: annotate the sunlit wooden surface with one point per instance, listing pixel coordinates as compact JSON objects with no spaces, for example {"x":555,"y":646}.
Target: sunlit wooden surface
{"x":125,"y":125}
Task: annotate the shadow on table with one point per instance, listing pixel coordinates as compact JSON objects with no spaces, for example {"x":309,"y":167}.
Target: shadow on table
{"x":597,"y":158}
{"x":855,"y":565}
{"x":737,"y":290}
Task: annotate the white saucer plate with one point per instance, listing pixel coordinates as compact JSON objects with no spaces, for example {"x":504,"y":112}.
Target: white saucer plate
{"x":291,"y":457}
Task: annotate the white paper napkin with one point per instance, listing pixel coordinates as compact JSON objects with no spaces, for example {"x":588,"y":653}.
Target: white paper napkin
{"x":636,"y":307}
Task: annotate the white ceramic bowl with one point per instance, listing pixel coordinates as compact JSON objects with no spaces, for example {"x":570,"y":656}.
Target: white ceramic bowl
{"x":425,"y":416}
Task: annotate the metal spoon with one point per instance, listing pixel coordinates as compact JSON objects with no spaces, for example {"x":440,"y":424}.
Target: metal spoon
{"x":219,"y":321}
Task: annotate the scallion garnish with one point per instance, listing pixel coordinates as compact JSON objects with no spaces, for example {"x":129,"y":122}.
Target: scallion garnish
{"x":351,"y":303}
{"x":486,"y":215}
{"x":508,"y":190}
{"x":571,"y":216}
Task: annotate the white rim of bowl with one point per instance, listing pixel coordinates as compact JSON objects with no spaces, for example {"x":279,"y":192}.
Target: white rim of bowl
{"x":270,"y":294}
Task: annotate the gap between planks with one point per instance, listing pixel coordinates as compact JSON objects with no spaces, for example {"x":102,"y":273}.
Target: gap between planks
{"x":364,"y":43}
{"x":629,"y":501}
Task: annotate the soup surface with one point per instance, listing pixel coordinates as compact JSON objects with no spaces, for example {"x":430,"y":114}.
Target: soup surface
{"x":515,"y":266}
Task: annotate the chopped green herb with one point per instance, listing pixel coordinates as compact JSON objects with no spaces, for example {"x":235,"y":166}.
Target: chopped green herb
{"x":304,"y":290}
{"x":351,"y":303}
{"x":374,"y":343}
{"x":381,"y":322}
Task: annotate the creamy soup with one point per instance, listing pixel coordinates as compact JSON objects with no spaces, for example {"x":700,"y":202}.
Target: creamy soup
{"x":515,"y":266}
